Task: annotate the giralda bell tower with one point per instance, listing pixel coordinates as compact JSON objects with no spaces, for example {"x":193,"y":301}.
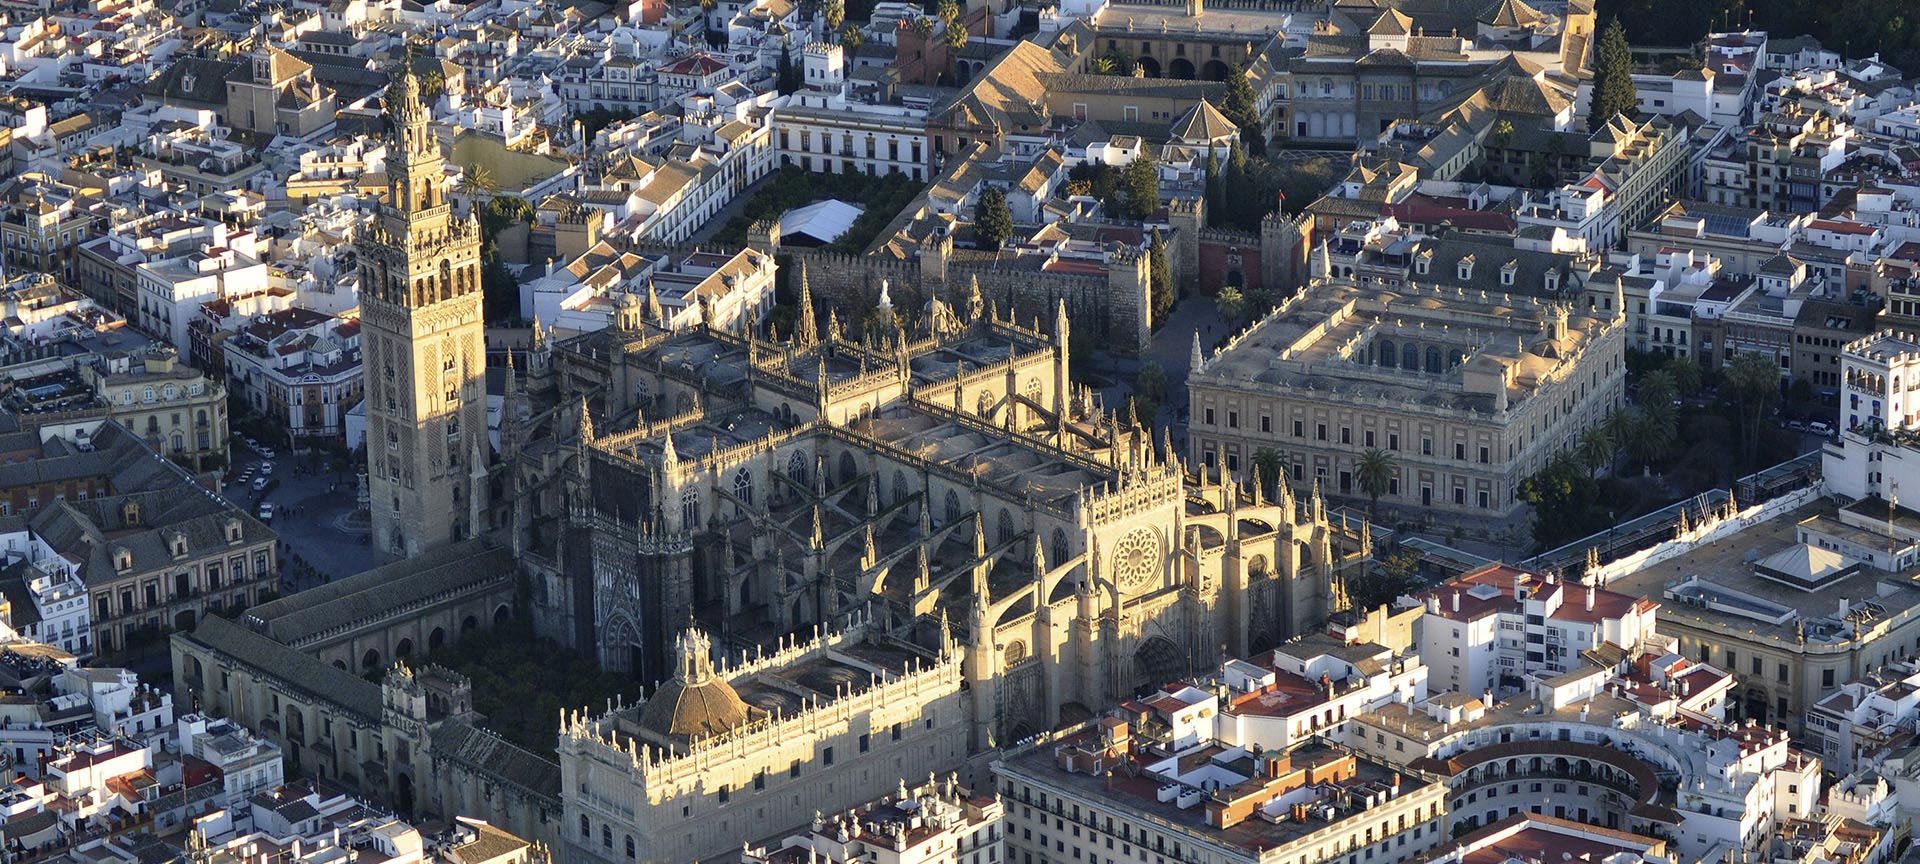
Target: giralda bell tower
{"x":423,"y":347}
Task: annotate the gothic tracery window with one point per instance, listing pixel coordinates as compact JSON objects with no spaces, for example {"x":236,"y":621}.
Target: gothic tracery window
{"x":743,"y":486}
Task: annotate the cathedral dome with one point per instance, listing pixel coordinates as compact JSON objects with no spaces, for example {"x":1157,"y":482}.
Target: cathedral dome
{"x":696,"y":703}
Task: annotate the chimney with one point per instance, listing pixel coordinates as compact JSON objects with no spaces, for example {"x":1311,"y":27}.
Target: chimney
{"x":1589,"y":598}
{"x":1456,"y":601}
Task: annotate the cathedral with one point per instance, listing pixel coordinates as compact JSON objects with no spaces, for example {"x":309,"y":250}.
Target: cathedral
{"x":943,"y":474}
{"x":905,"y":548}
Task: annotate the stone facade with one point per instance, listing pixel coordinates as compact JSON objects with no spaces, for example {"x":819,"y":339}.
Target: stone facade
{"x":762,"y":488}
{"x":1468,"y":394}
{"x":424,"y":350}
{"x":291,"y":671}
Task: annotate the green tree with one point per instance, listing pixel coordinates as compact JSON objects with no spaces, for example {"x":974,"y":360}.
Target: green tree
{"x":1102,"y":65}
{"x":1142,"y":182}
{"x":786,"y":76}
{"x":852,"y":37}
{"x":1384,"y":581}
{"x":1753,"y":380}
{"x":1567,"y":504}
{"x":1375,"y":473}
{"x":1230,"y":304}
{"x":1273,"y":470}
{"x":992,"y":221}
{"x":432,"y":84}
{"x":1212,"y":194}
{"x":1619,"y":426}
{"x":1658,"y":387}
{"x":1503,"y":132}
{"x":956,"y":37}
{"x":1243,"y":108}
{"x":477,"y":182}
{"x":1151,"y":381}
{"x":835,"y":13}
{"x":1613,"y":90}
{"x":923,"y":27}
{"x":1162,"y":278}
{"x":1654,"y":434}
{"x":947,"y":10}
{"x":1686,"y":375}
{"x":1595,"y":449}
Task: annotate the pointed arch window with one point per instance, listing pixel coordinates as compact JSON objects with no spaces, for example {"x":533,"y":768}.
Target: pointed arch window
{"x":743,"y":486}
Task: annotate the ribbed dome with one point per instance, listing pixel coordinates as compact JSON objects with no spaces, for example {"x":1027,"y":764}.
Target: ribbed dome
{"x":694,"y":710}
{"x":696,"y":703}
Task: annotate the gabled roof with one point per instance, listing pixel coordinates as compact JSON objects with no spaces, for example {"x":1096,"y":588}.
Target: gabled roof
{"x":1392,"y":22}
{"x":1513,"y":13}
{"x":1203,"y":122}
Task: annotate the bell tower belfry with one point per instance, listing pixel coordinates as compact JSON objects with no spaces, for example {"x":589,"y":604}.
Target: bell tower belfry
{"x":424,"y":349}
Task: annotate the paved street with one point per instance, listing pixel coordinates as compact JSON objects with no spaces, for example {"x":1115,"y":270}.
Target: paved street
{"x":312,"y":510}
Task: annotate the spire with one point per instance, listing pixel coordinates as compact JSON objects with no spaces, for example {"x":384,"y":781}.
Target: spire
{"x":973,"y":301}
{"x":1060,"y":325}
{"x":1254,"y":481}
{"x":1039,"y":559}
{"x":1194,"y":363}
{"x":669,"y":458}
{"x":819,"y":537}
{"x":1320,"y":263}
{"x":979,"y":536}
{"x":654,"y":312}
{"x":806,"y":330}
{"x":833,"y":325}
{"x":586,"y":423}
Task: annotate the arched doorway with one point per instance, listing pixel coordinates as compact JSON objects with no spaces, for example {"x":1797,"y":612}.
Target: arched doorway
{"x":1158,"y":661}
{"x":1215,"y":70}
{"x":469,"y":624}
{"x":436,"y":639}
{"x":370,"y":661}
{"x":403,"y":793}
{"x":1181,"y":67}
{"x":404,"y":649}
{"x":500,"y":614}
{"x":1148,"y":67}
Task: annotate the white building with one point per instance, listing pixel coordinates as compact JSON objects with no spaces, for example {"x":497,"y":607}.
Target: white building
{"x":936,"y":823}
{"x":1491,"y":628}
{"x":171,"y":289}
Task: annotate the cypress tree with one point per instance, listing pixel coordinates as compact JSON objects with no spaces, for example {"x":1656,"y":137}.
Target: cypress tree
{"x":1613,"y":90}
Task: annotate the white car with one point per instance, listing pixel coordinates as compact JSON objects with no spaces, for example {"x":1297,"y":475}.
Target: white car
{"x":266,"y":512}
{"x":266,"y":452}
{"x":266,"y":468}
{"x":259,"y":483}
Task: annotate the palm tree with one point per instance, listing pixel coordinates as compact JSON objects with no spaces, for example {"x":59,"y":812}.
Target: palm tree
{"x":947,"y":10}
{"x":1755,"y":380}
{"x":851,"y":37}
{"x":1653,"y":435}
{"x":1375,"y":474}
{"x":923,"y":27}
{"x":836,"y":13}
{"x":1101,"y":65}
{"x":1272,"y":465}
{"x":1658,"y":387}
{"x":1596,"y":449}
{"x":477,"y":182}
{"x":1686,"y":375}
{"x":1619,"y":426}
{"x":956,"y":37}
{"x":1230,"y":304}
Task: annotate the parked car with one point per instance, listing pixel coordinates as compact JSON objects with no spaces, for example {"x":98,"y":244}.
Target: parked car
{"x":266,"y":452}
{"x":1797,"y":425}
{"x":266,"y":512}
{"x":266,"y":468}
{"x":259,"y":483}
{"x":1820,"y":427}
